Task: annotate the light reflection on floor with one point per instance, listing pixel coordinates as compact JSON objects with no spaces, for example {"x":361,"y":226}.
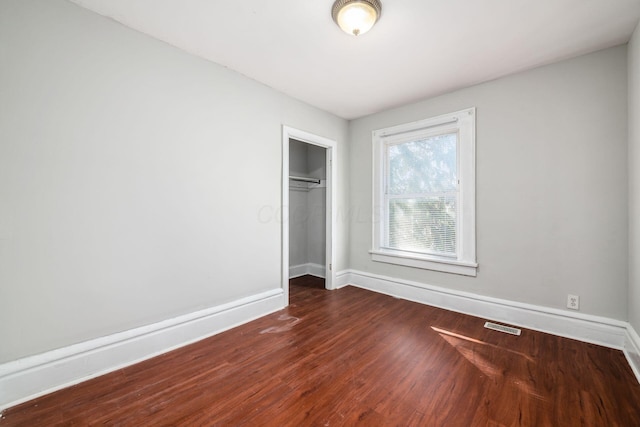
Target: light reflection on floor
{"x":479,"y":354}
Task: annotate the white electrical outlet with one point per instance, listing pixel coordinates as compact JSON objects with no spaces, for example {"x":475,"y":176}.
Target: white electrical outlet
{"x":573,"y":302}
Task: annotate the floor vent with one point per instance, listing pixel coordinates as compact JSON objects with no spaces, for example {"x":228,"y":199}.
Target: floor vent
{"x":502,"y":328}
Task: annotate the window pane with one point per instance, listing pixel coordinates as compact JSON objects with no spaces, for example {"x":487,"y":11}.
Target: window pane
{"x":423,"y":166}
{"x":423,"y":224}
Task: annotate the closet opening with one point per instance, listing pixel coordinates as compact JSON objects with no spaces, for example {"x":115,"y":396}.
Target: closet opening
{"x":308,"y":207}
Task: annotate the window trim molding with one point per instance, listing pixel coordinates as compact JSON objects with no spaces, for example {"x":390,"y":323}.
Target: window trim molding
{"x":465,"y":262}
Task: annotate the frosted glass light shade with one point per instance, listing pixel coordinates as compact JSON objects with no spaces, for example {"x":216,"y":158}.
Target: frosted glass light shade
{"x":356,"y":16}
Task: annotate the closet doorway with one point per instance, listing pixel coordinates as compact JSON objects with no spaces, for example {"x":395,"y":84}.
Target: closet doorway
{"x":308,"y":207}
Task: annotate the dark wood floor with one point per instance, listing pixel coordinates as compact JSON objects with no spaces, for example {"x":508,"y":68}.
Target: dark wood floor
{"x":354,"y":357}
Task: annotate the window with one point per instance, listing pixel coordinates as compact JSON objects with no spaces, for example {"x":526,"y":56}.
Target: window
{"x":424,"y":194}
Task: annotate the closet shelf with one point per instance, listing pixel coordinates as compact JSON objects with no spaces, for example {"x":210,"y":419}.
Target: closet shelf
{"x":304,"y":179}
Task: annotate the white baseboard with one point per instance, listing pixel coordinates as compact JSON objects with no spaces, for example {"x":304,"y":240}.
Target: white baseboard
{"x":593,"y":329}
{"x":342,"y":279}
{"x":308,"y":268}
{"x":632,"y":350}
{"x":34,"y":376}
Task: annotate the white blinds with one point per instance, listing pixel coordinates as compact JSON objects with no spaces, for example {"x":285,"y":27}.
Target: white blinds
{"x":421,"y":195}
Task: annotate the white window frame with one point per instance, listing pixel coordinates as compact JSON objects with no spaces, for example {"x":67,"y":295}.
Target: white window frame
{"x":464,"y":124}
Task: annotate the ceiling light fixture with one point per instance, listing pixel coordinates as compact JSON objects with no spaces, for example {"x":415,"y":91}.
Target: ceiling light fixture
{"x":356,"y":16}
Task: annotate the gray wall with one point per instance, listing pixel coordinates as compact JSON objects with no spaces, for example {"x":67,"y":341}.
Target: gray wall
{"x":298,"y":210}
{"x":551,"y":185}
{"x":307,"y":217}
{"x":634,"y":179}
{"x":137,"y":182}
{"x":316,"y":207}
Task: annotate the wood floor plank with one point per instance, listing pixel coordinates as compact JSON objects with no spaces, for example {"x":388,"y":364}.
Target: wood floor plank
{"x":354,"y":357}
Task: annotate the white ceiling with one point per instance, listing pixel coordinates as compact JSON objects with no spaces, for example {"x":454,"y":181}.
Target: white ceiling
{"x":418,"y":49}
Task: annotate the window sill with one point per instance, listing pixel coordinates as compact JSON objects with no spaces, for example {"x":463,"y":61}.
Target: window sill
{"x":426,"y":263}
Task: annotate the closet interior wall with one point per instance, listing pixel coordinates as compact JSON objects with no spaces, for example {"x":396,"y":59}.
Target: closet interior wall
{"x":307,"y":210}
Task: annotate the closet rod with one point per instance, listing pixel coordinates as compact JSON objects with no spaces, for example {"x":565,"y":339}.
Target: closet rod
{"x":303,"y":179}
